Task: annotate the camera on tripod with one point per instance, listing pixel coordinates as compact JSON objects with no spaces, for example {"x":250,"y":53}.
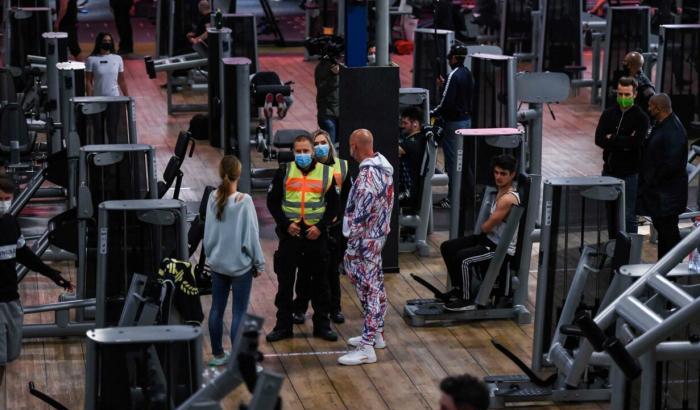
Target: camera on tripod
{"x":327,"y":47}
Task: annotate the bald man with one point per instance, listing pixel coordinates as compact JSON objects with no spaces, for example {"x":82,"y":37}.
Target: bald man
{"x":633,"y":62}
{"x":366,"y":224}
{"x":663,"y":183}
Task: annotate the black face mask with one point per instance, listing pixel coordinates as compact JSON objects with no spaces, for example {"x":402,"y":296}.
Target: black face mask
{"x":106,"y":46}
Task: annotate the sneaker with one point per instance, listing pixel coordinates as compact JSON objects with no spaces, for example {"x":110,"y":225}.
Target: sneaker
{"x":267,"y":107}
{"x":379,"y":342}
{"x":460,"y":305}
{"x":281,"y":106}
{"x":220,"y":361}
{"x":444,"y":203}
{"x":298,"y":318}
{"x":362,"y":354}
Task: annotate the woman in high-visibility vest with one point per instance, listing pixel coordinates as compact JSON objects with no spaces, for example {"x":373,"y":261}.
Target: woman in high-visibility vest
{"x":325,"y":154}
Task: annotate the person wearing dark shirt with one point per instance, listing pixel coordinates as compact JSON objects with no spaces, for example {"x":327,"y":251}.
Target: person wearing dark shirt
{"x":67,"y":22}
{"x":633,"y":63}
{"x":199,"y":34}
{"x":327,"y":95}
{"x":325,"y":154}
{"x":13,"y":249}
{"x":663,"y":182}
{"x":454,"y":110}
{"x":621,"y":132}
{"x":122,"y":19}
{"x":411,"y":152}
{"x":303,"y":201}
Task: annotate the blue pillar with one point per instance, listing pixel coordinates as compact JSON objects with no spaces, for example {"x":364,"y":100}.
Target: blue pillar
{"x":355,"y":33}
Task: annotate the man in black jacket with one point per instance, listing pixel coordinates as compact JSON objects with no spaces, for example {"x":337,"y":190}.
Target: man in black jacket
{"x":454,"y":110}
{"x":411,"y":152}
{"x":621,"y":131}
{"x":633,"y":64}
{"x":663,"y":182}
{"x":303,"y":201}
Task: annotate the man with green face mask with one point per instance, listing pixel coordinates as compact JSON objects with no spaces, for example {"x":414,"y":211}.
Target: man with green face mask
{"x":621,"y":131}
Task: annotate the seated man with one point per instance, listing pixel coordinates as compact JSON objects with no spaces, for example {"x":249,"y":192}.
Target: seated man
{"x":199,"y":34}
{"x":411,"y":152}
{"x":462,"y":256}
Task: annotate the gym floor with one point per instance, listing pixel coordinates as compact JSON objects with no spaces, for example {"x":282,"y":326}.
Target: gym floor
{"x":407,"y":373}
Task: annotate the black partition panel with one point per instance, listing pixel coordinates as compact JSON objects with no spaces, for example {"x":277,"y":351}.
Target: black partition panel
{"x":560,"y":41}
{"x":430,"y":60}
{"x":491,"y":108}
{"x":244,"y":37}
{"x":678,"y":70}
{"x":135,"y":246}
{"x":575,"y":219}
{"x":369,"y":98}
{"x":516,"y":26}
{"x":127,"y":371}
{"x":109,"y":126}
{"x":628,"y":30}
{"x":26,"y":27}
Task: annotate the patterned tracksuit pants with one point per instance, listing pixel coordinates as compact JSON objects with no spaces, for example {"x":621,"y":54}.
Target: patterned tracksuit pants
{"x":363,"y":264}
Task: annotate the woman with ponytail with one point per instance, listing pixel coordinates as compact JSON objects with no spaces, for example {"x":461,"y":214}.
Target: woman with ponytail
{"x":234,"y":254}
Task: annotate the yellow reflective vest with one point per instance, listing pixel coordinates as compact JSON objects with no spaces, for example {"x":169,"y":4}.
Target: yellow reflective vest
{"x":304,"y":195}
{"x":340,"y":171}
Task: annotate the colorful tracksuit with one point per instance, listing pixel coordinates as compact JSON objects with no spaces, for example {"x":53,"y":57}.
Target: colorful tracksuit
{"x":366,"y":224}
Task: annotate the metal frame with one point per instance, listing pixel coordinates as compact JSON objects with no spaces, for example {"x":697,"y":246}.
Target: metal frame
{"x":661,"y":63}
{"x":445,"y":38}
{"x":600,"y":188}
{"x":421,"y":221}
{"x":622,"y":13}
{"x":9,"y":12}
{"x":237,"y":71}
{"x":139,"y":205}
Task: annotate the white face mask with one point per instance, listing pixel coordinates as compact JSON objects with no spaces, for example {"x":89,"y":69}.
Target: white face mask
{"x":5,"y":206}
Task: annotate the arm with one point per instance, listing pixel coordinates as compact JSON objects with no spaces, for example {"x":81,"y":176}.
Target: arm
{"x":274,"y":201}
{"x":598,"y":5}
{"x":63,"y":6}
{"x":362,"y":206}
{"x":448,"y":97}
{"x":601,"y":135}
{"x":88,"y":82}
{"x":636,"y":138}
{"x":26,"y":257}
{"x":122,"y":83}
{"x":253,"y":240}
{"x":331,"y":211}
{"x":502,"y":210}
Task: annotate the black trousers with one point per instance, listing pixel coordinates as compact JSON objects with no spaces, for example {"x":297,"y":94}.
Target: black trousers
{"x":336,"y":249}
{"x":669,"y":234}
{"x":121,"y":8}
{"x":311,"y":258}
{"x":464,"y":258}
{"x":72,"y":30}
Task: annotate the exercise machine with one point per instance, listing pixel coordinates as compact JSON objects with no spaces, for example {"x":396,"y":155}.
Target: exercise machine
{"x":628,"y":29}
{"x":503,"y":292}
{"x":581,"y":249}
{"x":24,"y":27}
{"x":678,"y":73}
{"x":430,"y":60}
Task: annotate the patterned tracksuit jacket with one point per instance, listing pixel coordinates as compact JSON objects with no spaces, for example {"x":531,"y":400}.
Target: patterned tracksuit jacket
{"x":366,"y":224}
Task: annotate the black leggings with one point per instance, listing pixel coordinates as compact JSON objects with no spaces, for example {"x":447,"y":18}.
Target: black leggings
{"x":464,"y":257}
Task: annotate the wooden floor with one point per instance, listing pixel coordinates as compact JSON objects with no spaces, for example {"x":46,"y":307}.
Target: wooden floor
{"x":407,"y":373}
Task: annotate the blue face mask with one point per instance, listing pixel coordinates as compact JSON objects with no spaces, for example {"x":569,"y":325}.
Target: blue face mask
{"x":322,"y":150}
{"x":303,"y":160}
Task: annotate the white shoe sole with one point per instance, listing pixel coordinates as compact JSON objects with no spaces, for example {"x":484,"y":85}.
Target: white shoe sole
{"x":355,"y":363}
{"x":376,"y":345}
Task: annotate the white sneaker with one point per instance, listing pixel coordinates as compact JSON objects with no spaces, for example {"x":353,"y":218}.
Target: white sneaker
{"x":379,"y":342}
{"x":361,"y":355}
